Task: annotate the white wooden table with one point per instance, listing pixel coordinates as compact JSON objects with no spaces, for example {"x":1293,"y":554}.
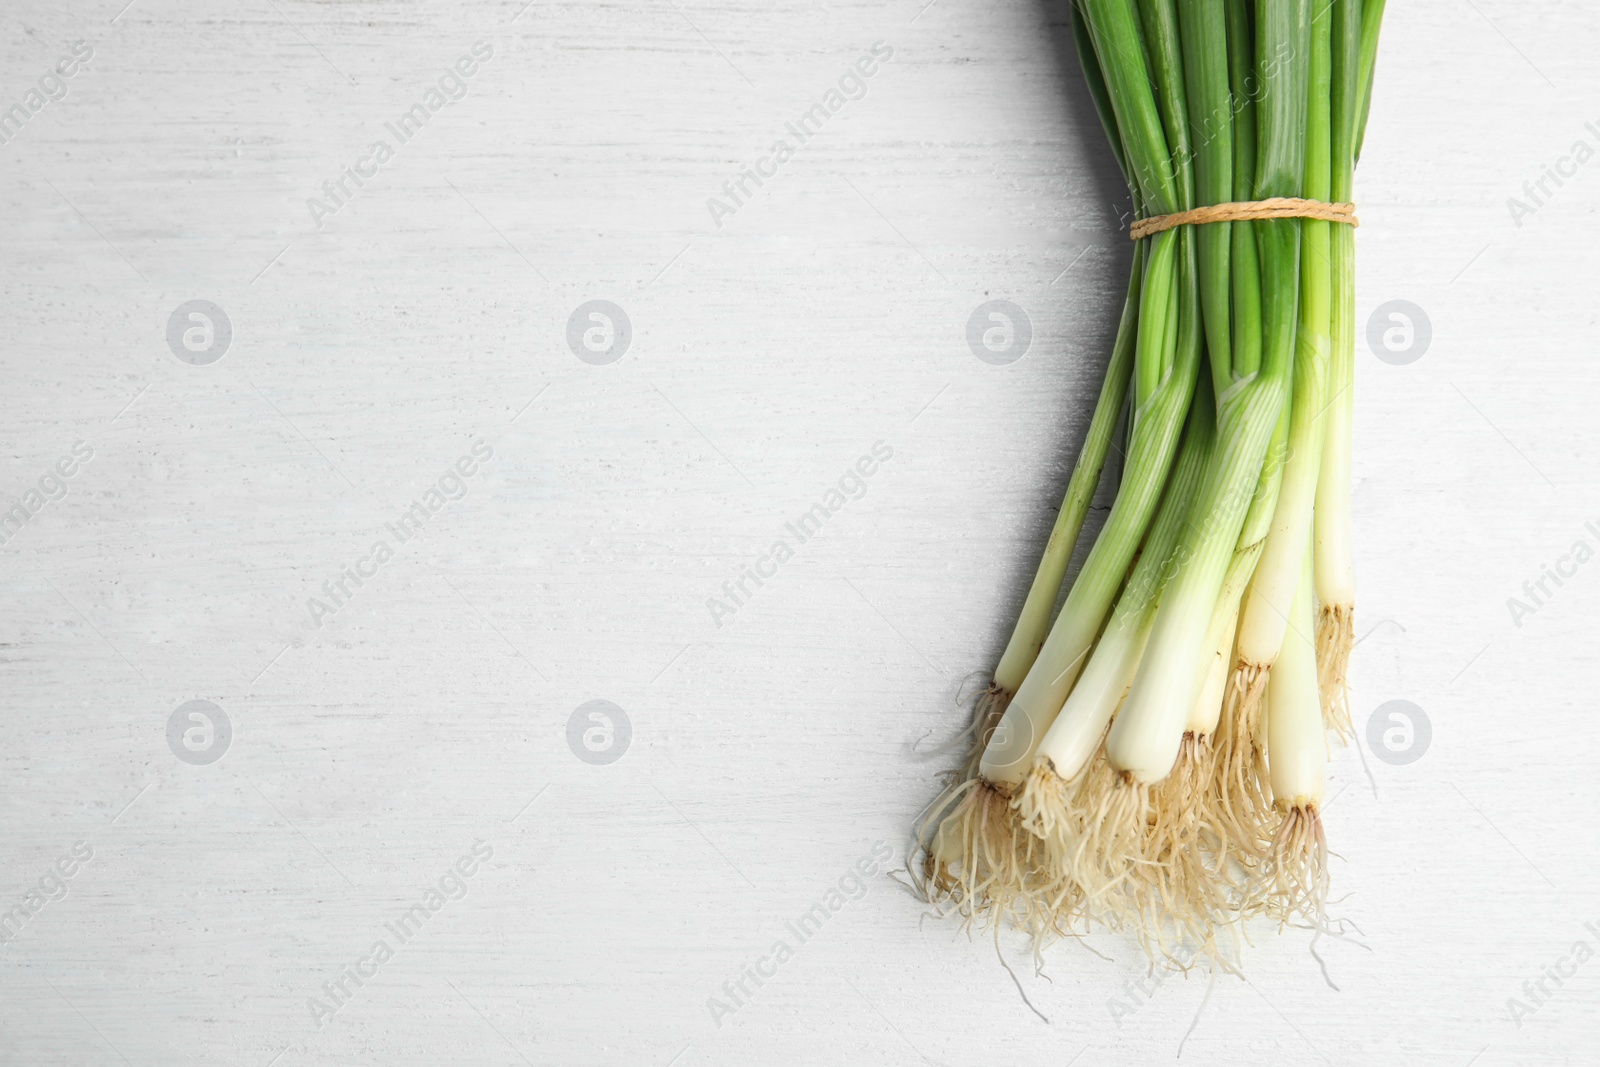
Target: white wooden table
{"x":373,"y":742}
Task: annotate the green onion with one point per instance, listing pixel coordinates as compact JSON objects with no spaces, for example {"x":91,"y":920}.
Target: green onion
{"x":1355,"y":53}
{"x":1154,"y":758}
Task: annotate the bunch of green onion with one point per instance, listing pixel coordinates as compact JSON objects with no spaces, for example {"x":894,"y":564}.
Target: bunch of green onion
{"x":1154,"y":759}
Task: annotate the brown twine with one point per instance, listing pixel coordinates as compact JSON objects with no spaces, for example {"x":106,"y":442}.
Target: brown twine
{"x":1276,"y":207}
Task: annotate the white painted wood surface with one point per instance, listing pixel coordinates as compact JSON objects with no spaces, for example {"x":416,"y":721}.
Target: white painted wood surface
{"x":769,"y":754}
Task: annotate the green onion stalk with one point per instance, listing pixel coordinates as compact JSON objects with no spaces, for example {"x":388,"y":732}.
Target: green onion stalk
{"x":1335,"y":565}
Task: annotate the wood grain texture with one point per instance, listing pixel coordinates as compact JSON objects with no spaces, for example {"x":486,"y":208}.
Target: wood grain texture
{"x":768,"y":354}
